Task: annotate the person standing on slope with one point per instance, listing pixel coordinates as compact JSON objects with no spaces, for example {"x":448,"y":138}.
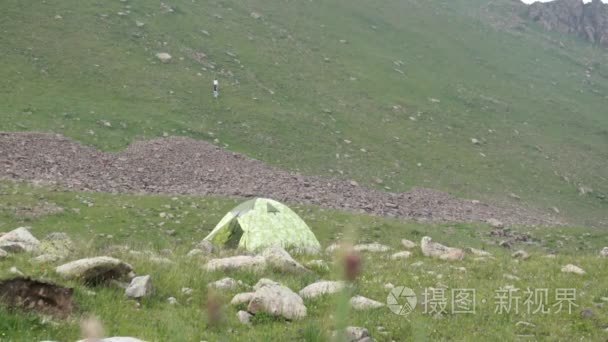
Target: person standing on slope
{"x":216,"y":88}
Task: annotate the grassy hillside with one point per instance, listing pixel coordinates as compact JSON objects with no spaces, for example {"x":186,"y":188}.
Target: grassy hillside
{"x":100,"y":224}
{"x":408,"y":83}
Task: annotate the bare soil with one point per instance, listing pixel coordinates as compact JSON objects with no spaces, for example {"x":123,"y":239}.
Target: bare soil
{"x":178,"y":165}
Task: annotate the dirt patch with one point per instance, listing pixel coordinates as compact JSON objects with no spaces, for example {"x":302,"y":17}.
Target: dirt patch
{"x":37,"y":296}
{"x":179,"y":165}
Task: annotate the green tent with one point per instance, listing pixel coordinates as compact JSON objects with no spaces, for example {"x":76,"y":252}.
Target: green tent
{"x":260,"y":223}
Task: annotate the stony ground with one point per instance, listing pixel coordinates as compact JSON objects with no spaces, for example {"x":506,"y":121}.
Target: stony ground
{"x":178,"y":165}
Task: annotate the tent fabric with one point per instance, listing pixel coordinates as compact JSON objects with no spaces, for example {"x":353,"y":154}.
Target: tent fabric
{"x":260,"y":223}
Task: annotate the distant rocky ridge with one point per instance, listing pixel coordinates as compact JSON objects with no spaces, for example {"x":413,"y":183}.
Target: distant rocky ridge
{"x":588,"y":21}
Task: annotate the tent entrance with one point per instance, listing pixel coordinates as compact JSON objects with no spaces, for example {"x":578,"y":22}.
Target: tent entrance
{"x":235,"y":233}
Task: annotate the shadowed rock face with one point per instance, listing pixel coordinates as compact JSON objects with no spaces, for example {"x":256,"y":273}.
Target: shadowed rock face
{"x":32,"y":295}
{"x":588,"y":21}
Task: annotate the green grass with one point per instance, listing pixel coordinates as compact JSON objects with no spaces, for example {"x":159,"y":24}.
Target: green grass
{"x":134,"y":221}
{"x":547,"y":119}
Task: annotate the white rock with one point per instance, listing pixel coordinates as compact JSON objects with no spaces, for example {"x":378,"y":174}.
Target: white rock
{"x":139,"y":23}
{"x":224,"y":284}
{"x":475,"y":141}
{"x":407,"y":244}
{"x":278,"y":258}
{"x":187,"y":291}
{"x":172,"y":301}
{"x":510,"y":276}
{"x":242,"y":298}
{"x":478,"y":252}
{"x":372,"y":247}
{"x":91,"y":268}
{"x":244,"y":317}
{"x":361,"y":303}
{"x":573,"y":269}
{"x":22,"y":237}
{"x":521,"y":254}
{"x":389,"y":286}
{"x":15,"y":270}
{"x":164,"y":57}
{"x":236,"y":263}
{"x":437,"y":250}
{"x":321,"y":288}
{"x":604,"y":252}
{"x":401,"y":255}
{"x":256,"y":15}
{"x":355,"y":334}
{"x":140,"y":287}
{"x":277,"y":300}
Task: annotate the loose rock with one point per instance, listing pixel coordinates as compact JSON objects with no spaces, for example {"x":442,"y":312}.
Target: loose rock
{"x":521,"y":254}
{"x":573,"y":269}
{"x":278,"y":258}
{"x":164,"y":57}
{"x":321,"y":288}
{"x":244,"y":317}
{"x":95,"y":270}
{"x":372,"y":247}
{"x":224,"y":284}
{"x":140,"y":287}
{"x":361,"y":303}
{"x":277,"y":300}
{"x":407,"y":244}
{"x":604,"y":252}
{"x":20,"y":238}
{"x":401,"y":255}
{"x":437,"y":250}
{"x":236,"y":263}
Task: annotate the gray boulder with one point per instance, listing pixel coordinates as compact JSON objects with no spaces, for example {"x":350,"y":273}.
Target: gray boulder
{"x":19,"y":239}
{"x":277,"y":300}
{"x":361,"y":303}
{"x":278,"y":258}
{"x":95,"y":269}
{"x":256,"y":263}
{"x":321,"y":288}
{"x":244,"y":317}
{"x":140,"y":287}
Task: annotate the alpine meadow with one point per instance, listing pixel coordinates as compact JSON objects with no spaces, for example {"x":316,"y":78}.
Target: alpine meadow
{"x":456,"y":149}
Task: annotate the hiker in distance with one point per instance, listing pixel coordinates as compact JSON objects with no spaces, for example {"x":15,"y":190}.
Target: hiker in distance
{"x":216,"y":88}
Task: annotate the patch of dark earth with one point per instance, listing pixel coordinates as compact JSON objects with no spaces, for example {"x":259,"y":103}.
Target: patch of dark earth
{"x":178,"y":165}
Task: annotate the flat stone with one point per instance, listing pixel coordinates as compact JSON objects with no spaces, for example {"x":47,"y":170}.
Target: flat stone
{"x":95,"y":269}
{"x":257,"y":263}
{"x":401,"y":255}
{"x":321,"y":288}
{"x":361,"y":303}
{"x":372,"y":247}
{"x":573,"y":269}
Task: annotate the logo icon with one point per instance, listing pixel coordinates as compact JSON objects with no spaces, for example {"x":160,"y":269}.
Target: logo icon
{"x":401,"y":300}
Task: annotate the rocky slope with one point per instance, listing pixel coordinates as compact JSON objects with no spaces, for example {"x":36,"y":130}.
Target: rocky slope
{"x":186,"y":166}
{"x":589,"y":21}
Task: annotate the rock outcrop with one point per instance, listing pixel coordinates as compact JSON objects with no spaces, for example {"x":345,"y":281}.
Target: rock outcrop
{"x":588,"y":21}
